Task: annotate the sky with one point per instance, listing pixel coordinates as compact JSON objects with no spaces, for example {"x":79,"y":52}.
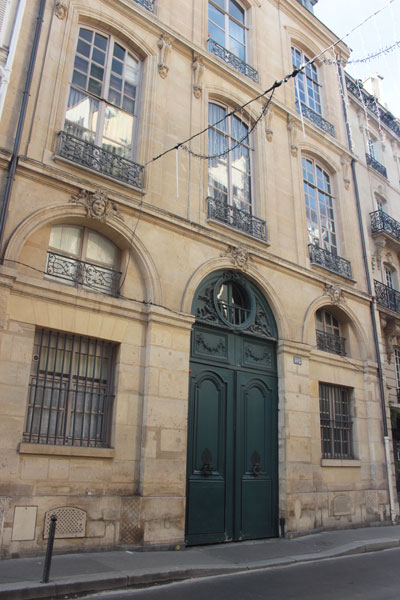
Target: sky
{"x":379,"y":32}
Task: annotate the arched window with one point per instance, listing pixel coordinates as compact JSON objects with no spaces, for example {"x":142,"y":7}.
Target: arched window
{"x":100,"y":120}
{"x":229,"y":176}
{"x":102,"y":98}
{"x":328,"y":333}
{"x":319,"y":206}
{"x":83,"y":257}
{"x":306,"y":83}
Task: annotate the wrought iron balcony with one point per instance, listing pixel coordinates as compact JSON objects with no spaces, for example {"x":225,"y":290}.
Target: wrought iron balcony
{"x":370,"y":102}
{"x":330,"y":343}
{"x":149,"y":4}
{"x":235,"y":217}
{"x":372,"y":162}
{"x":387,"y":297}
{"x":233,"y":60}
{"x":95,"y":277}
{"x":382,"y":223}
{"x":88,"y":155}
{"x":332,"y":262}
{"x":317,"y":119}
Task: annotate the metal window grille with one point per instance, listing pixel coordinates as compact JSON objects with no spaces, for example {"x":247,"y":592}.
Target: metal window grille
{"x":335,"y":421}
{"x":70,"y":400}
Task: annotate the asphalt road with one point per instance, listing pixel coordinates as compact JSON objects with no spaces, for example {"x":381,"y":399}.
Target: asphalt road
{"x":372,"y":576}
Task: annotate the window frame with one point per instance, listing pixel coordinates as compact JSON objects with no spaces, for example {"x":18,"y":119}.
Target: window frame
{"x":330,"y":330}
{"x":63,"y":388}
{"x":81,"y":257}
{"x":98,"y":134}
{"x":227,"y":17}
{"x":232,"y":142}
{"x":336,"y":426}
{"x":331,"y":222}
{"x":311,"y":85}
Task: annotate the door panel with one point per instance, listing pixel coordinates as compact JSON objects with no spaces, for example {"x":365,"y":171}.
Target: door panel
{"x":256,"y":443}
{"x":209,"y":507}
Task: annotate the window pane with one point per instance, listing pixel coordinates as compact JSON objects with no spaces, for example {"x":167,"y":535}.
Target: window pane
{"x":117,"y":66}
{"x":216,"y":16}
{"x":81,"y":64}
{"x":66,"y":238}
{"x":118,"y":127}
{"x":236,"y":11}
{"x":83,"y":112}
{"x":116,"y":82}
{"x":99,"y":56}
{"x":236,"y":48}
{"x":100,"y":249}
{"x":119,"y":52}
{"x":100,"y":41}
{"x":83,"y":48}
{"x":94,"y":87}
{"x":216,"y":34}
{"x":86,"y":34}
{"x":79,"y":79}
{"x":236,"y":31}
{"x":128,"y":105}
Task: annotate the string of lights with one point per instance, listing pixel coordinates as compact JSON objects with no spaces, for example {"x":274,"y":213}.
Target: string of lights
{"x":371,"y":56}
{"x":184,"y":143}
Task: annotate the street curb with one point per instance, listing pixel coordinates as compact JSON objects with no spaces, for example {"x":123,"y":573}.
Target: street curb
{"x":65,"y":588}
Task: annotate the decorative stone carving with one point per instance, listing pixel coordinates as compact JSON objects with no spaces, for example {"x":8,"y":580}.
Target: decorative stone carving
{"x":361,"y":119}
{"x":61,"y":9}
{"x":346,"y":170}
{"x":164,"y":45}
{"x":292,"y":130}
{"x":268,"y":124}
{"x":198,"y":71}
{"x":239,"y":256}
{"x":334,"y":291}
{"x":380,"y":244}
{"x":98,"y":205}
{"x":391,"y":331}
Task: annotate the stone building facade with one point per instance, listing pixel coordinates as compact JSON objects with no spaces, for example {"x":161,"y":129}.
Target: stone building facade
{"x":187,"y":342}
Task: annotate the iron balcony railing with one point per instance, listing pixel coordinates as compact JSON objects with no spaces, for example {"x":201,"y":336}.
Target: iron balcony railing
{"x":387,"y":297}
{"x":371,"y":103}
{"x":232,"y":60}
{"x":330,"y":342}
{"x":317,"y":119}
{"x":372,"y":162}
{"x":383,"y":223}
{"x":238,"y":218}
{"x":328,"y":260}
{"x":88,"y":155}
{"x":149,"y":4}
{"x":94,"y":277}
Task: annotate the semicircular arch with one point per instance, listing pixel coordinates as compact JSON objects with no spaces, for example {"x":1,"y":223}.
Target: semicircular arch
{"x":114,"y":229}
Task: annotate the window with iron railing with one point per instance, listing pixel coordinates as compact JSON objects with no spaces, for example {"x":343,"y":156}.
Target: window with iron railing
{"x":82,"y":257}
{"x":328,"y":333}
{"x":335,"y":417}
{"x":102,"y":107}
{"x":70,"y":396}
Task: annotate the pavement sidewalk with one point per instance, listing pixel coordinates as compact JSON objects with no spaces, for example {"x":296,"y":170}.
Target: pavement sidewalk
{"x":20,"y":578}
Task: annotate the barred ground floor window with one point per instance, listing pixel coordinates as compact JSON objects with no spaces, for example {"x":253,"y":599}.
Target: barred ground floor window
{"x":70,"y":397}
{"x":335,"y":415}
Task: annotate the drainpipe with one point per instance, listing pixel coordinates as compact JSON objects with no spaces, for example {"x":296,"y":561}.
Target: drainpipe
{"x":20,"y":125}
{"x":389,"y":472}
{"x":11,"y":53}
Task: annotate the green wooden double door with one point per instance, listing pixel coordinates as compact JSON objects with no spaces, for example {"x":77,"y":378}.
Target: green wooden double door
{"x":232,"y":480}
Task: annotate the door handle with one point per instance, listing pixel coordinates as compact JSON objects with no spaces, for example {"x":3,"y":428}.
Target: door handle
{"x":206,"y":458}
{"x":256,"y":460}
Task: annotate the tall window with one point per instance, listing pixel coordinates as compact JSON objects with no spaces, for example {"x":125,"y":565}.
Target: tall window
{"x":397,"y":365}
{"x":102,"y":98}
{"x":319,"y":206}
{"x":229,"y":177}
{"x":70,"y":392}
{"x":81,"y":256}
{"x":328,"y":333}
{"x":335,"y":418}
{"x":389,"y":278}
{"x":226,"y":26}
{"x":306,"y":83}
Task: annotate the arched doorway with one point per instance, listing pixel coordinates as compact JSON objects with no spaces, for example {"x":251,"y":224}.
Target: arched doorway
{"x":232,"y":471}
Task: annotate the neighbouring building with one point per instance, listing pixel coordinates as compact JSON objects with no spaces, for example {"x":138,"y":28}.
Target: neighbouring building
{"x":191,"y":350}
